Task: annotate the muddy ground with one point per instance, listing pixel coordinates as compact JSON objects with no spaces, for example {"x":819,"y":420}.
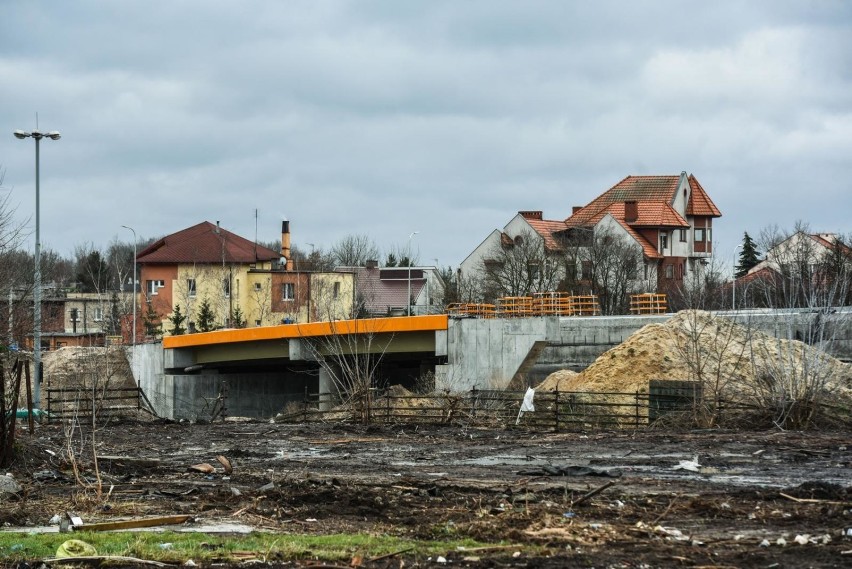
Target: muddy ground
{"x":504,"y":487}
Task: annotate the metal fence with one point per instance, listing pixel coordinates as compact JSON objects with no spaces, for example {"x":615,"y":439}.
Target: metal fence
{"x":557,"y":410}
{"x":82,"y":403}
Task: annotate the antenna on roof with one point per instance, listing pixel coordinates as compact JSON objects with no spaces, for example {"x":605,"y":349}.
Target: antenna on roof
{"x":255,"y":234}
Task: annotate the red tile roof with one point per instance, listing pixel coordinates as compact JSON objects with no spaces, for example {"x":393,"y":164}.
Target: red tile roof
{"x":546,"y":228}
{"x":699,"y":202}
{"x":205,"y":243}
{"x":631,"y":188}
{"x":651,"y":214}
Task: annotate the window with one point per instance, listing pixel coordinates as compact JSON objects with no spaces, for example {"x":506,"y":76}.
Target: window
{"x":336,"y":290}
{"x":587,"y":270}
{"x":226,"y":287}
{"x":699,"y":234}
{"x":153,"y":286}
{"x":190,"y":287}
{"x":257,"y":322}
{"x":664,"y":242}
{"x":669,"y":271}
{"x":99,"y":314}
{"x":709,"y":233}
{"x":683,"y":235}
{"x":632,"y":269}
{"x":258,"y":286}
{"x":288,"y":291}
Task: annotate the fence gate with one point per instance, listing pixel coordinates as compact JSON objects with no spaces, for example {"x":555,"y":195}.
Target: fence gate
{"x":666,"y":396}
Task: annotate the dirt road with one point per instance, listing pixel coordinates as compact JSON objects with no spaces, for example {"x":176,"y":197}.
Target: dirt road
{"x":751,"y":497}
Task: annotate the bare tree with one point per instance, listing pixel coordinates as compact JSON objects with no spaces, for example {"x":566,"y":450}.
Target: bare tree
{"x":520,"y":267}
{"x":811,"y":272}
{"x":613,"y":270}
{"x":354,"y":251}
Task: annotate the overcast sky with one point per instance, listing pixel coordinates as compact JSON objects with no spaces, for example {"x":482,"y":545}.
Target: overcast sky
{"x":389,"y":117}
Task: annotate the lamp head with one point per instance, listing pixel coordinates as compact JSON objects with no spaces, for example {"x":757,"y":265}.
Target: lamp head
{"x":54,"y":135}
{"x":20,"y":134}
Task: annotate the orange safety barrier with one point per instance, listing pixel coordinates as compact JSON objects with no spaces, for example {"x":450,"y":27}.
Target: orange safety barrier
{"x":550,"y":303}
{"x":515,"y":306}
{"x":648,"y":303}
{"x":584,"y":305}
{"x":471,"y":310}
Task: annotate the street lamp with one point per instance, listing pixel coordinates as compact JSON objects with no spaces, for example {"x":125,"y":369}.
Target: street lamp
{"x":410,"y":237}
{"x":134,"y":282}
{"x":734,"y":280}
{"x":37,"y":136}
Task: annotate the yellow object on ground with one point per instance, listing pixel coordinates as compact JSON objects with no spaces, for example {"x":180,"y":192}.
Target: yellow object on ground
{"x":76,"y":548}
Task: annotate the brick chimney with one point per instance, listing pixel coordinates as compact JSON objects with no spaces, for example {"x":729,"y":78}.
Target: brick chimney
{"x":285,"y":244}
{"x":631,"y":211}
{"x":531,"y":214}
{"x":575,"y":209}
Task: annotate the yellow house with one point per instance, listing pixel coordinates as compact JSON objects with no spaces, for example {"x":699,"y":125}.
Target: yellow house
{"x":238,"y":281}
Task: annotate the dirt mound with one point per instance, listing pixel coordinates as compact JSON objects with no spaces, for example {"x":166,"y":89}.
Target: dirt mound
{"x":731,"y":359}
{"x":558,"y":381}
{"x":78,"y":366}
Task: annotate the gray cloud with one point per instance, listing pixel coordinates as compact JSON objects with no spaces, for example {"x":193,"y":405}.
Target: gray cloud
{"x":443,"y":117}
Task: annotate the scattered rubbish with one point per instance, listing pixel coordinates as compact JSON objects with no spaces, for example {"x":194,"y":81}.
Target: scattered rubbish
{"x":267,"y":487}
{"x":17,"y":547}
{"x":76,"y":548}
{"x":690,"y":465}
{"x":569,"y":515}
{"x":528,"y":498}
{"x":595,"y":526}
{"x":569,"y":471}
{"x":592,"y":494}
{"x":226,"y":464}
{"x":527,"y":404}
{"x":516,"y":554}
{"x":764,"y":543}
{"x":235,"y":491}
{"x":54,"y":521}
{"x":618,"y":504}
{"x":167,"y":545}
{"x":441,"y":559}
{"x":802,"y":539}
{"x":189,"y":563}
{"x":781,"y":541}
{"x":848,"y":532}
{"x":204,"y":468}
{"x":9,"y":485}
{"x":311,"y":520}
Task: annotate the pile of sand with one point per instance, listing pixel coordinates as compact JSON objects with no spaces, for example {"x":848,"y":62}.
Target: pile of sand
{"x":698,"y":346}
{"x":72,"y":367}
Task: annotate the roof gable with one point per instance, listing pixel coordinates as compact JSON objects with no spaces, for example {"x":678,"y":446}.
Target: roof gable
{"x":699,"y":202}
{"x":205,"y":243}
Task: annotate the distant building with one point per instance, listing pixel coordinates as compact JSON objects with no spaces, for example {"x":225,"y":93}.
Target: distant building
{"x":669,"y":219}
{"x":237,"y":278}
{"x":388,"y":291}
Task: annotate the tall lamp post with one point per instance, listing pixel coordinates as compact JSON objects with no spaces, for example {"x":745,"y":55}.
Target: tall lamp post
{"x":410,"y":237}
{"x":734,"y":280}
{"x":134,"y":282}
{"x":37,"y":136}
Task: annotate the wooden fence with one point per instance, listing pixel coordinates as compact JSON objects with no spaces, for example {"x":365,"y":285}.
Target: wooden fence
{"x":557,"y":410}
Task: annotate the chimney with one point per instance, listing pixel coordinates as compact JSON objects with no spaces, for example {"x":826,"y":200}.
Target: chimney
{"x":631,"y":211}
{"x":531,"y":214}
{"x":285,"y":244}
{"x":575,"y":209}
{"x":371,"y":264}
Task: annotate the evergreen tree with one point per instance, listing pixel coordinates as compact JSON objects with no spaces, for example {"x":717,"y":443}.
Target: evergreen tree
{"x":391,"y":262}
{"x":749,"y":256}
{"x":151,"y":322}
{"x":206,"y":318}
{"x":238,"y":320}
{"x":177,"y":319}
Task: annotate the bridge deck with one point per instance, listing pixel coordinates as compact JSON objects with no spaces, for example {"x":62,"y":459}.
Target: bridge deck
{"x":393,"y":325}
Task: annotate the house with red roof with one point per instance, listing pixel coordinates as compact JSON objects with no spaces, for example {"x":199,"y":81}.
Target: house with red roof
{"x":668,"y":218}
{"x":240,"y":281}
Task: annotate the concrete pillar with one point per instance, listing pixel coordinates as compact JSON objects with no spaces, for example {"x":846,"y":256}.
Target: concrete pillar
{"x":327,"y":388}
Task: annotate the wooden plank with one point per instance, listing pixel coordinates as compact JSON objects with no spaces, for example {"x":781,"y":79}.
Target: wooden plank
{"x":132,"y":524}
